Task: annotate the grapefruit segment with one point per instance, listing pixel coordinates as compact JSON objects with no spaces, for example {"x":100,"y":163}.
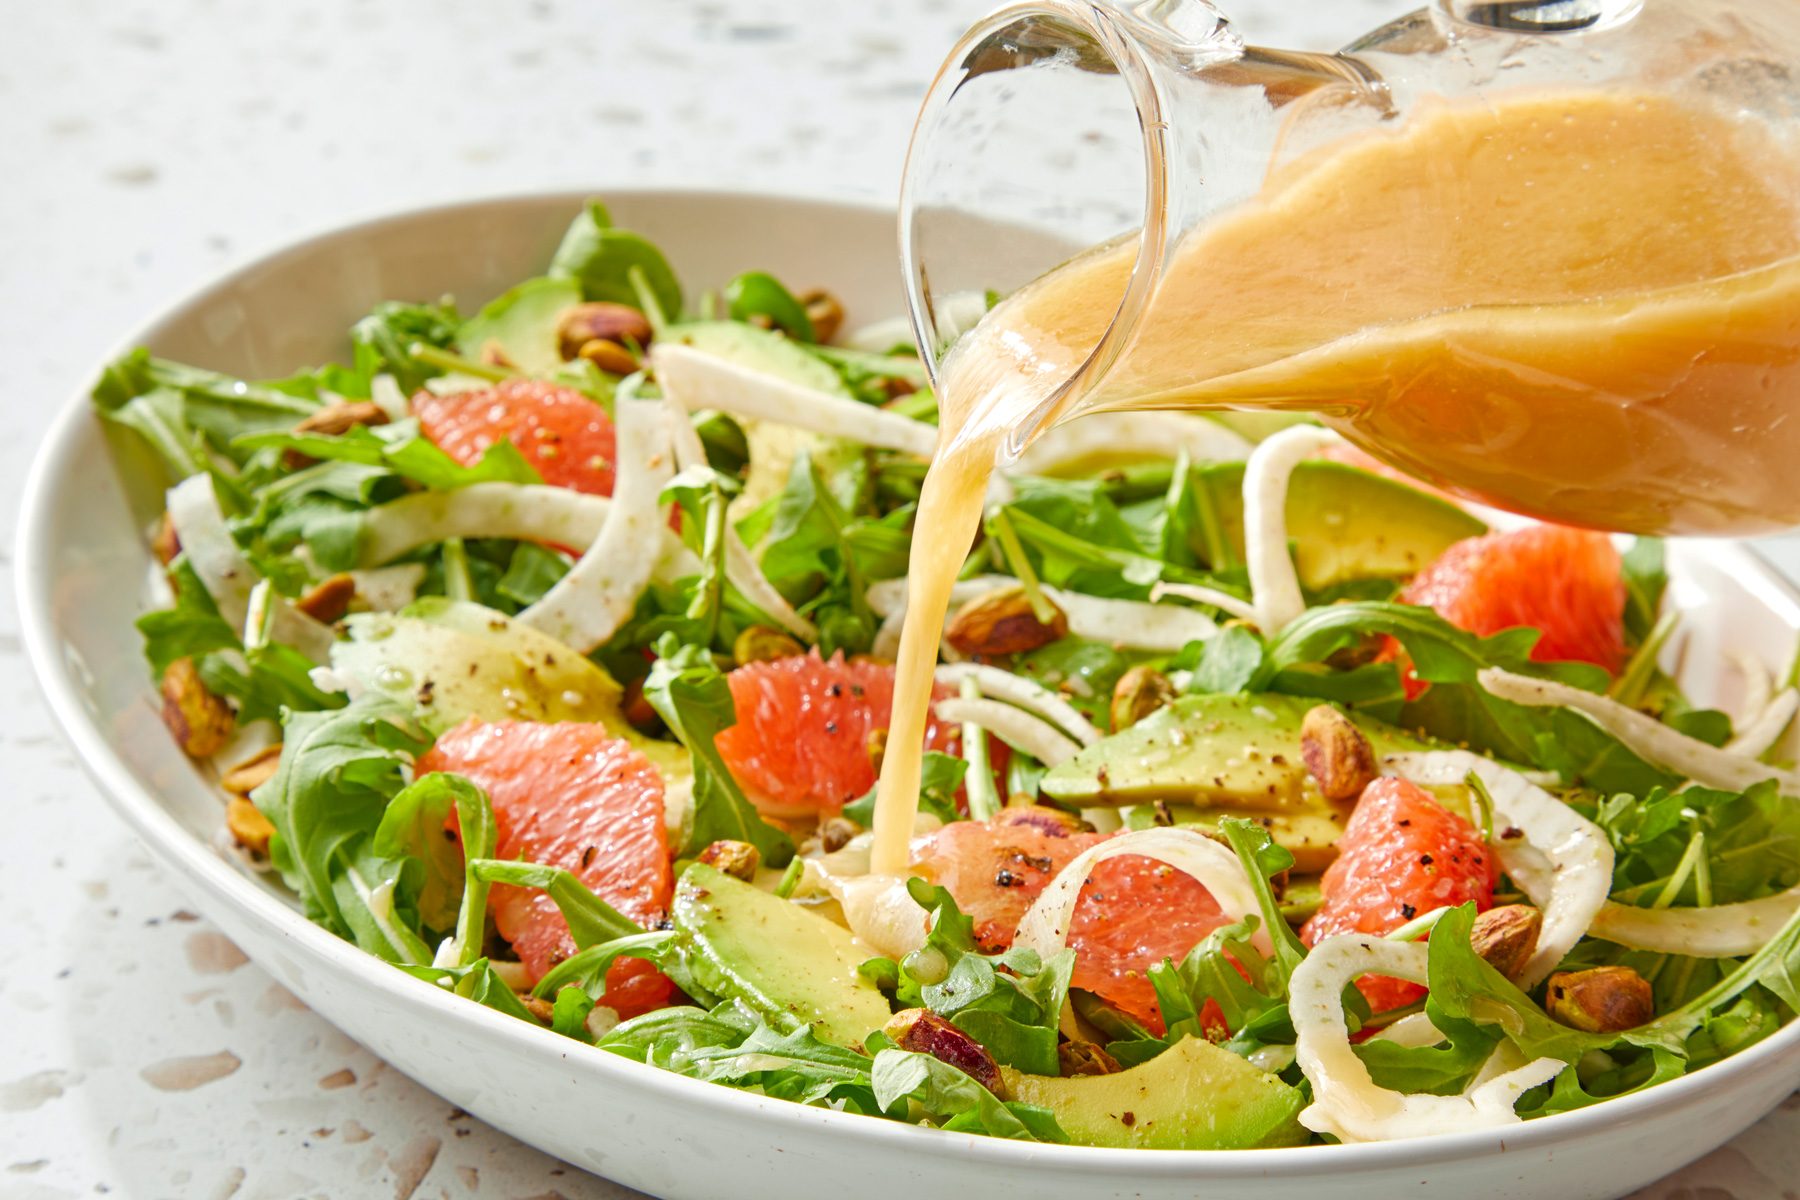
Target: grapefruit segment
{"x":801,"y":745}
{"x":570,"y":795}
{"x":1567,"y":583}
{"x":566,"y":437}
{"x":1402,"y":855}
{"x":1132,"y":912}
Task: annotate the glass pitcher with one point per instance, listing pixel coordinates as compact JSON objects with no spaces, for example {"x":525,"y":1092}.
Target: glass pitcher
{"x":1541,"y":253}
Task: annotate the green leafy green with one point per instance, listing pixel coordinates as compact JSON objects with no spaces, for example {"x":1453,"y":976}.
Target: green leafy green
{"x":338,"y":770}
{"x":757,"y":294}
{"x":601,"y":258}
{"x":1010,"y":1002}
{"x":1455,"y":707}
{"x":433,"y":865}
{"x":403,"y":450}
{"x":957,"y":1100}
{"x":940,"y":775}
{"x":384,"y":339}
{"x":592,"y":921}
{"x":690,"y":693}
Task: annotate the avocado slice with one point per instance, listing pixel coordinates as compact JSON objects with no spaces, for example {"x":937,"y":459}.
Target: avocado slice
{"x":522,"y":322}
{"x":1192,"y":1096}
{"x":1236,"y":755}
{"x":454,"y":660}
{"x":1347,"y":523}
{"x":790,"y":966}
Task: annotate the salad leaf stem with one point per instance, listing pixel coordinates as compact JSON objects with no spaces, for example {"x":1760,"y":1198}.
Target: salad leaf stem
{"x":1001,"y":526}
{"x":591,"y":919}
{"x":445,"y":360}
{"x":1634,"y":680}
{"x":984,"y":800}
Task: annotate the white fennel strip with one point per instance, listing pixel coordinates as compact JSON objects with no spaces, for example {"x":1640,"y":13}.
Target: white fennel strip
{"x":1562,"y":860}
{"x":1274,"y":582}
{"x":1756,"y":738}
{"x":385,"y":589}
{"x":1133,"y":624}
{"x":1347,"y":1102}
{"x":741,"y":567}
{"x":1045,"y":925}
{"x":385,"y":391}
{"x":1223,"y":601}
{"x":589,"y":604}
{"x":1718,"y":931}
{"x":698,"y":380}
{"x":531,"y":512}
{"x":1643,"y":735}
{"x":208,"y":547}
{"x":1028,"y":694}
{"x":1017,"y":728}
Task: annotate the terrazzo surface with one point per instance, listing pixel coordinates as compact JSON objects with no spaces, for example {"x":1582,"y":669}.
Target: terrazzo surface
{"x":145,"y":147}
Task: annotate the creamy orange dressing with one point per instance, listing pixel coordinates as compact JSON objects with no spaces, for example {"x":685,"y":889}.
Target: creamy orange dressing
{"x":1580,"y":306}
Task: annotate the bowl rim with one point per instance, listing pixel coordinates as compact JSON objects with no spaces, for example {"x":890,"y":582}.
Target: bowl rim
{"x":54,"y":468}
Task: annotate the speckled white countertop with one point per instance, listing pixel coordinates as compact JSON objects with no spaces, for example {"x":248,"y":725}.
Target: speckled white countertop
{"x":145,"y":145}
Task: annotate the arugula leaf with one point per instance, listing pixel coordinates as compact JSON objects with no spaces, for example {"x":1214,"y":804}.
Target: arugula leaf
{"x":1231,"y":661}
{"x":1750,"y":843}
{"x":759,"y":294}
{"x":1227,"y":971}
{"x":701,"y":493}
{"x":414,"y":832}
{"x":1010,"y":1002}
{"x":729,"y":1045}
{"x":403,"y":450}
{"x":384,"y":340}
{"x":531,"y":571}
{"x":1744,"y":1005}
{"x":601,"y":258}
{"x":817,"y":556}
{"x":690,"y":693}
{"x":940,"y":776}
{"x":592,"y":921}
{"x":586,"y":969}
{"x":337,"y":772}
{"x":263,"y":682}
{"x":477,"y":982}
{"x":1646,"y":578}
{"x":1456,"y":708}
{"x":944,"y":1092}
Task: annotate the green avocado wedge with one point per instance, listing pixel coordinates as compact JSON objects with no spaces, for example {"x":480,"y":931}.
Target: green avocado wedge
{"x":790,"y":966}
{"x":1347,"y":523}
{"x":1192,"y":1096}
{"x":1225,"y":755}
{"x":453,"y":660}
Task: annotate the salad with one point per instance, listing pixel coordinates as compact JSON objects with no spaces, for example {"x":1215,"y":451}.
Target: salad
{"x":1270,"y":798}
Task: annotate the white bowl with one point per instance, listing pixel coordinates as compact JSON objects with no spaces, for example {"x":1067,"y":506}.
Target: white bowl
{"x":82,"y":554}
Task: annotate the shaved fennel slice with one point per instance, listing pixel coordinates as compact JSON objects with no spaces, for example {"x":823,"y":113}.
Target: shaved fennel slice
{"x":1347,"y":1103}
{"x":1413,"y":1031}
{"x":1274,"y":582}
{"x":1643,"y":735}
{"x":521,"y":512}
{"x":1564,"y":861}
{"x":700,"y":380}
{"x":881,"y":912}
{"x":741,"y":567}
{"x":1017,"y":728}
{"x":1045,"y":925}
{"x":1223,"y":601}
{"x":208,"y":547}
{"x":385,"y":589}
{"x":1120,"y":435}
{"x":1127,"y":623}
{"x":1771,"y":722}
{"x":1028,"y":694}
{"x":1720,"y":931}
{"x":385,"y":391}
{"x":587,"y":606}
